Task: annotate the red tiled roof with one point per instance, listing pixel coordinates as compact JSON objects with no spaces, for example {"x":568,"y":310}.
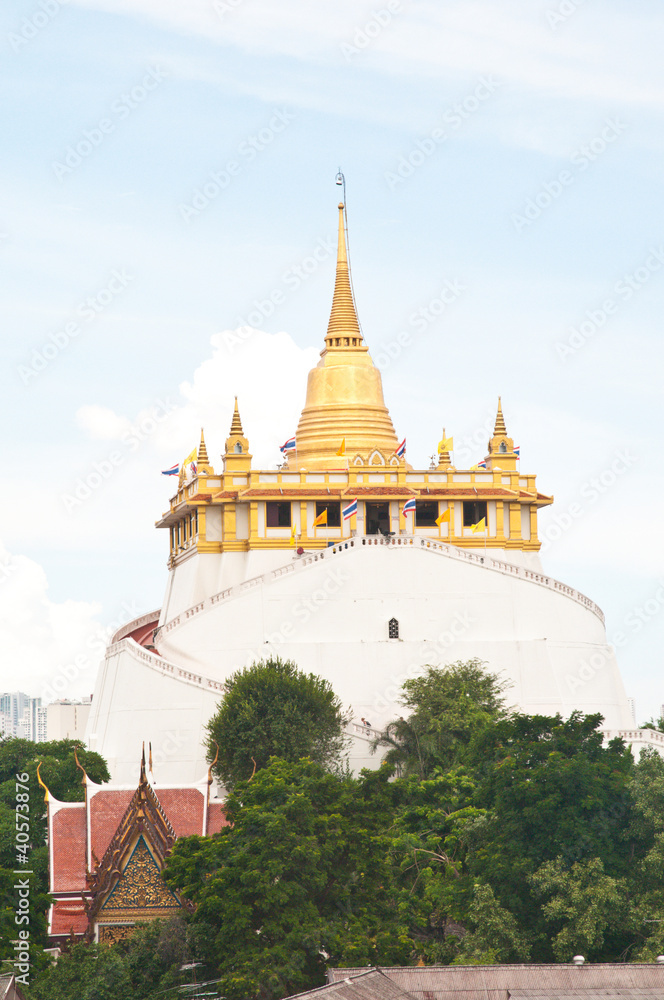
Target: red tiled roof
{"x":68,"y":915}
{"x":488,"y":491}
{"x":184,"y":808}
{"x":69,"y":848}
{"x":106,"y":810}
{"x":291,"y":494}
{"x":199,"y":498}
{"x":379,"y":491}
{"x":216,"y":818}
{"x":144,"y":633}
{"x":225,"y":495}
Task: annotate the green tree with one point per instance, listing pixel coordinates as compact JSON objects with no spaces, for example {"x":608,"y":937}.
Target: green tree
{"x":301,"y":879}
{"x":448,"y":705}
{"x":272,"y":709}
{"x":582,"y":904}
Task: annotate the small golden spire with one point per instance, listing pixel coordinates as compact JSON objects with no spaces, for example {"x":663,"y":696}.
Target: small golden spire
{"x":343,"y":317}
{"x":500,"y":427}
{"x":202,"y":452}
{"x":236,"y":423}
{"x":444,"y":456}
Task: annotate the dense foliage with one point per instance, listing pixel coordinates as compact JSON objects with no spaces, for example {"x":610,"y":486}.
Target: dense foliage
{"x":272,"y":709}
{"x":506,"y":838}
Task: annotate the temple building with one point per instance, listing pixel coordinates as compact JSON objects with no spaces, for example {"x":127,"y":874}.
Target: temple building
{"x":356,"y":566}
{"x":106,"y":854}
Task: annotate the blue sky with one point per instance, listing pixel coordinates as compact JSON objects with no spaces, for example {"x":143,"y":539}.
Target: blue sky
{"x":513,"y":149}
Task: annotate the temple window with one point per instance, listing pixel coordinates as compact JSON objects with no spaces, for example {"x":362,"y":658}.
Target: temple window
{"x":393,"y":629}
{"x":333,"y":513}
{"x":277,"y":514}
{"x":238,"y":448}
{"x":426,"y":512}
{"x":473,"y":512}
{"x":503,"y":448}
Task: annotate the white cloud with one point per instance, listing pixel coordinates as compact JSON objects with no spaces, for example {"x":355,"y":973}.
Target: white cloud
{"x":587,"y":57}
{"x":49,"y":649}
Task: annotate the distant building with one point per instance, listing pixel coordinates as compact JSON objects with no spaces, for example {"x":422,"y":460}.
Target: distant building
{"x":66,"y":720}
{"x":22,"y":716}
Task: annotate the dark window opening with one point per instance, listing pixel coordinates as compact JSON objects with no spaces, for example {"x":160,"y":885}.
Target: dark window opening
{"x":377,"y":517}
{"x":473,"y":512}
{"x":426,"y":512}
{"x":277,"y":514}
{"x":503,"y":448}
{"x":393,"y":628}
{"x":238,"y":448}
{"x":333,"y":513}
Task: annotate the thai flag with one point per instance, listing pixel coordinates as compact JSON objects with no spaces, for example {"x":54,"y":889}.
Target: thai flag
{"x":401,"y":450}
{"x":288,"y":446}
{"x":517,"y":450}
{"x":482,"y":464}
{"x":173,"y":471}
{"x":409,"y":506}
{"x":349,"y":509}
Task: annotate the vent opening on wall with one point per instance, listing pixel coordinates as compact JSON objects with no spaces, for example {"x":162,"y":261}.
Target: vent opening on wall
{"x":393,"y":628}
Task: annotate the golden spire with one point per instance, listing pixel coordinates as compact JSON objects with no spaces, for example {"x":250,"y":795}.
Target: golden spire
{"x":343,"y":317}
{"x":444,"y":456}
{"x":202,"y":451}
{"x":236,"y":423}
{"x":500,"y":427}
{"x":344,"y":399}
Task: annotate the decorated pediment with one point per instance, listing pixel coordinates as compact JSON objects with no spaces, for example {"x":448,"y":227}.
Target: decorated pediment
{"x":140,"y":886}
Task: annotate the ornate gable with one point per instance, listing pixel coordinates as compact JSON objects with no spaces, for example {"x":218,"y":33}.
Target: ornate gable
{"x":140,"y":888}
{"x":126,"y":887}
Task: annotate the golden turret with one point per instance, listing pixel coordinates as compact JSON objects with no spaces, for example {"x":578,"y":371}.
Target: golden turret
{"x":236,"y":456}
{"x":202,"y":461}
{"x":344,"y":392}
{"x":501,"y":447}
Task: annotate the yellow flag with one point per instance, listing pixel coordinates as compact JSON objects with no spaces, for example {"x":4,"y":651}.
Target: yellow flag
{"x":292,"y":535}
{"x":447,"y":444}
{"x":191,"y":457}
{"x":443,"y":517}
{"x":342,"y":448}
{"x":480,"y":526}
{"x":321,"y":519}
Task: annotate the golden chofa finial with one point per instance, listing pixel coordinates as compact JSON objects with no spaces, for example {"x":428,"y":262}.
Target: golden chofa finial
{"x":343,"y":329}
{"x":236,"y":423}
{"x":500,"y":427}
{"x":202,"y":451}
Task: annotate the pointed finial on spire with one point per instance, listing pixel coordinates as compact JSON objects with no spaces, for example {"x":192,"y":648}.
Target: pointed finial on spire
{"x":236,"y":423}
{"x":500,"y":427}
{"x":202,"y":451}
{"x":343,"y":330}
{"x":80,"y":767}
{"x":143,"y":777}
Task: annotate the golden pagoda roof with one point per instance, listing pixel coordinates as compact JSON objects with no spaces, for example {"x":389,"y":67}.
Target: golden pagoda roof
{"x":344,"y":413}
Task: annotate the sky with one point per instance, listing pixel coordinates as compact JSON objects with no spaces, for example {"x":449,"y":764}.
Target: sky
{"x":168,"y":176}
